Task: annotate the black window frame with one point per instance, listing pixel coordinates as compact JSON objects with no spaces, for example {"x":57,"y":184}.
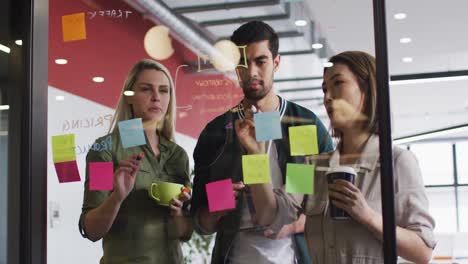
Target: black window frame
{"x":27,"y":146}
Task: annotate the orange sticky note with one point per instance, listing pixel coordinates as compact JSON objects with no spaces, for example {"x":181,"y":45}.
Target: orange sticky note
{"x":74,"y":27}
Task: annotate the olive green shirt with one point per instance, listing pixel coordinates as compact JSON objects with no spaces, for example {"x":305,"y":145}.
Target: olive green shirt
{"x":142,"y":232}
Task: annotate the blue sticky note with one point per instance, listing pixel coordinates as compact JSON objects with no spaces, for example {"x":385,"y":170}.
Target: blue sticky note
{"x":131,"y":133}
{"x":267,"y":126}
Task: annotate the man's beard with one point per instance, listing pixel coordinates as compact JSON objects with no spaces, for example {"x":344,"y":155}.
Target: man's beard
{"x":255,"y":95}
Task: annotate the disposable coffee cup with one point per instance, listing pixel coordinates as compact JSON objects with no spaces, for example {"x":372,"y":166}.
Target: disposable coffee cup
{"x":340,"y":173}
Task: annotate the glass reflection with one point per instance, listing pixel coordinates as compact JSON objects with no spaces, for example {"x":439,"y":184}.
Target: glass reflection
{"x":354,"y":120}
{"x":263,"y":97}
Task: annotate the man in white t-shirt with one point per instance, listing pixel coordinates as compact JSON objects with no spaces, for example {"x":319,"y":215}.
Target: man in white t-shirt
{"x":247,"y":234}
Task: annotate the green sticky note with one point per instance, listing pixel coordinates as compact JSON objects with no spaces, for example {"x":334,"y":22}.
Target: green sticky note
{"x":303,"y":140}
{"x":256,"y":168}
{"x":300,"y":178}
{"x":63,"y":148}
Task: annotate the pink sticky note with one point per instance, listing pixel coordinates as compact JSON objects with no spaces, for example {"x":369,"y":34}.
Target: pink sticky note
{"x":67,"y":171}
{"x":101,"y":176}
{"x":220,"y":195}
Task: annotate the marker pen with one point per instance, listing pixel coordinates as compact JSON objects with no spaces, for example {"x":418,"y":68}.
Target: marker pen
{"x":186,"y":189}
{"x":253,"y":108}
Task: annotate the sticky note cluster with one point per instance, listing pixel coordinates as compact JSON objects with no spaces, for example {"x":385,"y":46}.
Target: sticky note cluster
{"x":303,"y":141}
{"x":64,"y":157}
{"x":101,"y":174}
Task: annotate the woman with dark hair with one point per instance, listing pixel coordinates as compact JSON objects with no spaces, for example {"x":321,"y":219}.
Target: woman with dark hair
{"x":350,"y":98}
{"x":133,"y":227}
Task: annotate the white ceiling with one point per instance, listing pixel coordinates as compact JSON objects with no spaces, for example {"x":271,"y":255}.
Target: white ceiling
{"x":232,"y":13}
{"x":437,"y":29}
{"x":439,"y":43}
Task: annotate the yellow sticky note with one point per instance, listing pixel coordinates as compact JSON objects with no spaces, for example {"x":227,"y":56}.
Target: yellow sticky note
{"x":63,"y":148}
{"x":303,"y":140}
{"x":256,"y":168}
{"x":74,"y":27}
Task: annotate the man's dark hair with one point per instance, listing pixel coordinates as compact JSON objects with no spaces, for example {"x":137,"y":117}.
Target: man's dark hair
{"x":254,"y":31}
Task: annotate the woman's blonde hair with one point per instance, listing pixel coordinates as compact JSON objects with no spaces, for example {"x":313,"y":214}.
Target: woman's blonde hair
{"x":124,"y":110}
{"x":363,"y":67}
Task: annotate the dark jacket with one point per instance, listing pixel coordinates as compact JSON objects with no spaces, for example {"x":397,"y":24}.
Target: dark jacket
{"x":218,"y":155}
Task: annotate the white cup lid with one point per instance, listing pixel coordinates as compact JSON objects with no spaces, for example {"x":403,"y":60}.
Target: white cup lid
{"x":345,"y":169}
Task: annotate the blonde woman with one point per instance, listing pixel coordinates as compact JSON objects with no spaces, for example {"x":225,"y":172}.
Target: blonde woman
{"x":133,"y":228}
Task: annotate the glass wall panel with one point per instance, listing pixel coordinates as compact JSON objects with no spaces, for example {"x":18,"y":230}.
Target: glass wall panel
{"x":4,"y":110}
{"x":462,"y":166}
{"x":3,"y":184}
{"x":463,"y":208}
{"x":443,"y":208}
{"x":436,"y":169}
{"x":258,"y":136}
{"x":428,"y":93}
{"x":10,"y":62}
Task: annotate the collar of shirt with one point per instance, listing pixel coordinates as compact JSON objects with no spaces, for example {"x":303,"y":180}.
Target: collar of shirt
{"x":164,"y":146}
{"x":241,"y":114}
{"x":163,"y":143}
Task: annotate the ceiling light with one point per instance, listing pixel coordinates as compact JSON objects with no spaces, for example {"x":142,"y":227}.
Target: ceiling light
{"x":157,"y":43}
{"x":129,"y":93}
{"x":429,"y":80}
{"x":405,"y":40}
{"x":4,"y":48}
{"x":327,"y":64}
{"x":407,"y":59}
{"x":98,"y":79}
{"x":19,"y":42}
{"x":59,"y":97}
{"x":300,"y":22}
{"x":431,"y":134}
{"x":61,"y":61}
{"x":317,"y":45}
{"x":399,"y":16}
{"x":429,"y":77}
{"x":4,"y":107}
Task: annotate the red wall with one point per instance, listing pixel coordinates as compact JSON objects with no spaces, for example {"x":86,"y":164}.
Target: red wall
{"x":112,"y":46}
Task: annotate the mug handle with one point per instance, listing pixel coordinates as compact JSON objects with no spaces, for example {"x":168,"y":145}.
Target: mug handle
{"x":154,"y":195}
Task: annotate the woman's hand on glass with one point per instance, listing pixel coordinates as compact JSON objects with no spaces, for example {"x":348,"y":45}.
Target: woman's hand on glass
{"x":349,"y":198}
{"x":177,"y":204}
{"x":125,"y":175}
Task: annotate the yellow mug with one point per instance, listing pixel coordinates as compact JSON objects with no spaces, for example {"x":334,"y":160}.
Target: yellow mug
{"x":164,"y":192}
